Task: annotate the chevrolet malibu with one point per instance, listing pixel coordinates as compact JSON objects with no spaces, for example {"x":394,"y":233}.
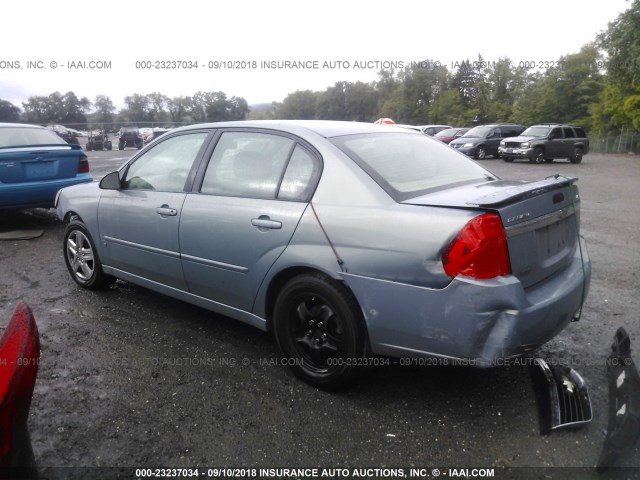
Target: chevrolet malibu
{"x":346,"y":240}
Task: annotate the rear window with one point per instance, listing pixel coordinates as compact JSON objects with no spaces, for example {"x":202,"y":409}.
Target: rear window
{"x":408,"y":165}
{"x":16,"y":136}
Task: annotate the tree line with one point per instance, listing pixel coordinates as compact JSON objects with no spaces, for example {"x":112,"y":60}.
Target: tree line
{"x":597,"y":88}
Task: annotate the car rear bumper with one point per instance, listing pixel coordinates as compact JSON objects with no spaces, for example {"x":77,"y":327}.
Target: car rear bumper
{"x":478,"y":322}
{"x":36,"y":194}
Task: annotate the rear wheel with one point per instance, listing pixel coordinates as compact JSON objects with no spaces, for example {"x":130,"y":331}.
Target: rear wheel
{"x":319,"y":328}
{"x":82,"y":259}
{"x":576,"y":156}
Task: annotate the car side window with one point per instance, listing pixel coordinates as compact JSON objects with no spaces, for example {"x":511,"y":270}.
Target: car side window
{"x":568,"y":132}
{"x":580,"y":133}
{"x":556,"y":133}
{"x":247,"y":164}
{"x":166,"y":166}
{"x":298,"y":181}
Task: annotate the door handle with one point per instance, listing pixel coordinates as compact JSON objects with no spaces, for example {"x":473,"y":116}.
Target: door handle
{"x":264,"y":222}
{"x":166,"y":210}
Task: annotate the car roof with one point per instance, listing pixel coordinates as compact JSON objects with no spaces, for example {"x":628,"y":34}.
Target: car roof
{"x":324,"y":128}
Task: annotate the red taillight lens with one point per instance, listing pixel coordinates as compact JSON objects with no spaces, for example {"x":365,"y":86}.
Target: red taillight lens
{"x":19,"y":358}
{"x":83,"y":165}
{"x":479,"y":250}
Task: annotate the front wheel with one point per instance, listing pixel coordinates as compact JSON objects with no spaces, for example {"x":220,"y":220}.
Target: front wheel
{"x":82,"y":259}
{"x":537,"y":156}
{"x":319,"y":329}
{"x":482,"y":153}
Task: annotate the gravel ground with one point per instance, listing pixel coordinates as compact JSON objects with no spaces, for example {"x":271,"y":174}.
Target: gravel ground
{"x":132,"y":378}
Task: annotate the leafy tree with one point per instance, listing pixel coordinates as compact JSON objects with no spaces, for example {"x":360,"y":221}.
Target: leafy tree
{"x":300,"y":105}
{"x":9,"y":112}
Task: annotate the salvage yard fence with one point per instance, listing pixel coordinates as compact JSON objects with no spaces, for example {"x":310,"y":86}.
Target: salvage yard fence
{"x":623,"y":142}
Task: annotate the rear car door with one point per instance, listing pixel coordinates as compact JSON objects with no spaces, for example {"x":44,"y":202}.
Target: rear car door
{"x":139,"y":222}
{"x":493,"y":141}
{"x":251,"y":197}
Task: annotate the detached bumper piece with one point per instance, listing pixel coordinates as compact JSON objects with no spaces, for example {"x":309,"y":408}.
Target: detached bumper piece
{"x":623,"y":430}
{"x":563,"y":396}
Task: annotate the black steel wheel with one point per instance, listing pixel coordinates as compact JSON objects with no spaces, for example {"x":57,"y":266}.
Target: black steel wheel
{"x":319,"y":329}
{"x":81,"y":258}
{"x":538,"y":155}
{"x":576,"y":156}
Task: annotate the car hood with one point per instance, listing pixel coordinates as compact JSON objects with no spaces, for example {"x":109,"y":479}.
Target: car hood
{"x":463,"y":140}
{"x":521,"y":138}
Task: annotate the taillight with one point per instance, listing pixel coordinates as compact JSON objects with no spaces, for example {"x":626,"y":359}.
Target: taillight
{"x":19,"y":358}
{"x":479,"y":250}
{"x":83,"y":164}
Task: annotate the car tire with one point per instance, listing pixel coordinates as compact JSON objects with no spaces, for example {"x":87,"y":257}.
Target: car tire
{"x":576,"y":156}
{"x":88,"y":147}
{"x":481,"y":154}
{"x":319,"y":329}
{"x":548,"y":160}
{"x":81,"y":258}
{"x":109,"y":146}
{"x":507,"y":159}
{"x":120,"y":146}
{"x":537,"y":156}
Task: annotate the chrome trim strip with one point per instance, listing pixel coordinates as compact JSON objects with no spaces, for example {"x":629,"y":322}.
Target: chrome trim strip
{"x":213,"y":263}
{"x":146,"y":248}
{"x":540,"y":222}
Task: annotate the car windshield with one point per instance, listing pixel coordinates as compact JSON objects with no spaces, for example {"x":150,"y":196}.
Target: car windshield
{"x":449,"y":132}
{"x":408,"y":165}
{"x":15,"y":136}
{"x":477,"y":132}
{"x":536,"y":132}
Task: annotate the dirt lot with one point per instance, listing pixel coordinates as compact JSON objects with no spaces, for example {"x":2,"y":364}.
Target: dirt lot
{"x":132,"y":378}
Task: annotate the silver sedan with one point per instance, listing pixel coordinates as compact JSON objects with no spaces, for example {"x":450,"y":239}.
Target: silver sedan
{"x":347,"y":240}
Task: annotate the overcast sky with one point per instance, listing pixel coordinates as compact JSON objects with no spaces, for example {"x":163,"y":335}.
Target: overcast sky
{"x":53,"y":34}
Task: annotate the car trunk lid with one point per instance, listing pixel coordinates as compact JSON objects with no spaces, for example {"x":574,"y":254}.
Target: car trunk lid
{"x":541,"y":220}
{"x":20,"y":164}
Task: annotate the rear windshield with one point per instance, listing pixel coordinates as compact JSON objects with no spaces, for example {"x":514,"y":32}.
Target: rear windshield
{"x":16,"y":136}
{"x":407,"y":165}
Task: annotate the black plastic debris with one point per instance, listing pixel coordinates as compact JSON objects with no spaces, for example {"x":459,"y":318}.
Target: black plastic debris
{"x":623,"y":430}
{"x":562,"y":395}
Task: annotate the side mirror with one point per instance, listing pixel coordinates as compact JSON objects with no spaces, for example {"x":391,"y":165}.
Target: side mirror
{"x":110,"y":181}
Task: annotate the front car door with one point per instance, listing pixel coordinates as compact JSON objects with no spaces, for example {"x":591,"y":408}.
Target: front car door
{"x":139,"y":222}
{"x":251,"y":197}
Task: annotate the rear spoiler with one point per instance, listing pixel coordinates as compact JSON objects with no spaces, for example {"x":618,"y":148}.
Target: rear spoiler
{"x":44,"y":147}
{"x":521,"y":192}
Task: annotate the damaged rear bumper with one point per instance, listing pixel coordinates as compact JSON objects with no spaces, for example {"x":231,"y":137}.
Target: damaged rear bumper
{"x":479,"y":322}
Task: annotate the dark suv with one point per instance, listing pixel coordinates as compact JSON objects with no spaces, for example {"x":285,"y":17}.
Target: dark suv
{"x":130,"y":137}
{"x":484,"y":140}
{"x":543,"y":143}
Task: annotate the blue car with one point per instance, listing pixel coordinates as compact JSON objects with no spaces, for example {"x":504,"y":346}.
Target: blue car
{"x":344,"y":239}
{"x":35,"y":164}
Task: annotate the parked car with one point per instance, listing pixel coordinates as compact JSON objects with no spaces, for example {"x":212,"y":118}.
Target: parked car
{"x":130,"y":137}
{"x":449,"y":134}
{"x":67,"y":134}
{"x":19,"y":360}
{"x":99,"y":141}
{"x":35,"y":163}
{"x":484,"y":140}
{"x":345,"y":239}
{"x":543,"y":143}
{"x":431,"y":130}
